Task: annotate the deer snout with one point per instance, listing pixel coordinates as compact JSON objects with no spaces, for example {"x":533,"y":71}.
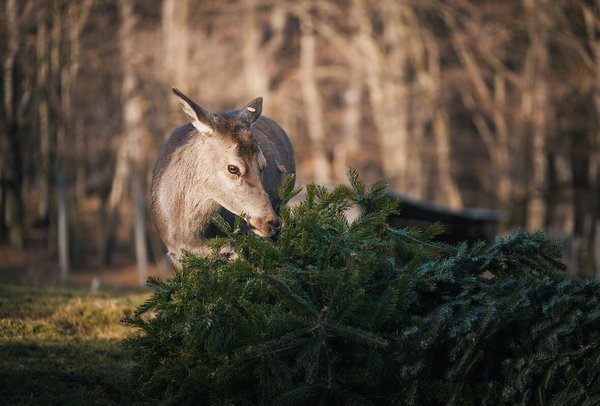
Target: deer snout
{"x":275,"y":226}
{"x":265,"y":227}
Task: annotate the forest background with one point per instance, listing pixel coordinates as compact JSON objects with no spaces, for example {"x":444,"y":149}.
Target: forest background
{"x":492,"y":104}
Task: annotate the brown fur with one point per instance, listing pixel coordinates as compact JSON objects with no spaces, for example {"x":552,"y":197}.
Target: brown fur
{"x":191,"y":174}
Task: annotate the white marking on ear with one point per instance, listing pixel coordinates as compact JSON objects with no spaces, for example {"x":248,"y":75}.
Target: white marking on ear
{"x":201,"y":127}
{"x":187,"y":109}
{"x":200,"y":118}
{"x":191,"y":114}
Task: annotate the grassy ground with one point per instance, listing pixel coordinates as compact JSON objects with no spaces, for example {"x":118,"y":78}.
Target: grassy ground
{"x":61,"y":347}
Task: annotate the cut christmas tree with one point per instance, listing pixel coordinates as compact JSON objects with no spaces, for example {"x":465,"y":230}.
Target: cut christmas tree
{"x":339,"y":312}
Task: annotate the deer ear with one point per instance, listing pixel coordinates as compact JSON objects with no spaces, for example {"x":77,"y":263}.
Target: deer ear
{"x":200,"y":118}
{"x":251,"y":111}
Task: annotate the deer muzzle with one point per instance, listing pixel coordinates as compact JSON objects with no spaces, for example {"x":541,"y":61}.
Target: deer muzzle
{"x":266,"y":227}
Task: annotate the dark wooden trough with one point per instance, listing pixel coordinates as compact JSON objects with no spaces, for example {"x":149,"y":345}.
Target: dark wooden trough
{"x":467,"y":224}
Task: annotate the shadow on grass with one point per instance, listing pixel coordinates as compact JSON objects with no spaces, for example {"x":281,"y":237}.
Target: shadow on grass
{"x":79,"y":372}
{"x":63,"y":347}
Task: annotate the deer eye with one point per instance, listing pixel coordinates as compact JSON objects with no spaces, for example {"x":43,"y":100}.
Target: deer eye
{"x":234,"y":170}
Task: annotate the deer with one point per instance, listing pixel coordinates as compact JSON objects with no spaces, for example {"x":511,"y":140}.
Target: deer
{"x":225,"y":162}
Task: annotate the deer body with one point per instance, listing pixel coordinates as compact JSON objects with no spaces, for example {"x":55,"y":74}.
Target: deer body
{"x":227,"y":162}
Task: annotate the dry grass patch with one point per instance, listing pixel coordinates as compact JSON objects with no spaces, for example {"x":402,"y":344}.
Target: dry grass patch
{"x":63,"y":346}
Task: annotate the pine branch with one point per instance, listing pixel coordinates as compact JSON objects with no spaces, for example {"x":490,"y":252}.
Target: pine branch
{"x":331,"y":311}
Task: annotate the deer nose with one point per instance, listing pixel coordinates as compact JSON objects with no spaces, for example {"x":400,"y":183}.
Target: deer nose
{"x":275,"y":226}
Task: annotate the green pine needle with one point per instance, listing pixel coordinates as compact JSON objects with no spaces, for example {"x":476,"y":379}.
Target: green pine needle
{"x":333,"y":312}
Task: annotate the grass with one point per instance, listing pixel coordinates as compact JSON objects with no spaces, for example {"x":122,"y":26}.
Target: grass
{"x":63,"y":347}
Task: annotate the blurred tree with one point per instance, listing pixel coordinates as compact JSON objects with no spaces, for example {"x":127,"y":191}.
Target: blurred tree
{"x":43,"y":111}
{"x":535,"y":107}
{"x":254,"y":60}
{"x":174,"y":21}
{"x":16,"y":94}
{"x":386,"y":83}
{"x":587,"y":207}
{"x":131,"y":163}
{"x":485,"y":103}
{"x":311,"y":95}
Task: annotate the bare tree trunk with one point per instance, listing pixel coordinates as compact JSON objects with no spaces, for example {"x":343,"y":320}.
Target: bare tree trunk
{"x":312,"y":98}
{"x":448,"y":191}
{"x":352,"y":111}
{"x":77,"y":14}
{"x":486,"y":105}
{"x":255,"y":72}
{"x":63,"y":228}
{"x":42,"y":56}
{"x":11,"y":181}
{"x":9,"y":59}
{"x":393,"y":112}
{"x":503,"y":147}
{"x":130,"y":160}
{"x":596,"y":157}
{"x":56,"y":54}
{"x":174,"y":20}
{"x":583,"y":203}
{"x":592,"y":22}
{"x":534,"y":109}
{"x":426,"y":63}
{"x":64,"y":57}
{"x":139,"y":228}
{"x":64,"y":88}
{"x":271,"y":62}
{"x":345,"y":153}
{"x":388,"y":92}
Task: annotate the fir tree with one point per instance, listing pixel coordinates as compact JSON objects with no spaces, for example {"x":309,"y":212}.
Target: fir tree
{"x":332,"y":312}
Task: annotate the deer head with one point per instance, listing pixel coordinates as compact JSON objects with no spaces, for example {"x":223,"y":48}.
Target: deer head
{"x":231,"y":165}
